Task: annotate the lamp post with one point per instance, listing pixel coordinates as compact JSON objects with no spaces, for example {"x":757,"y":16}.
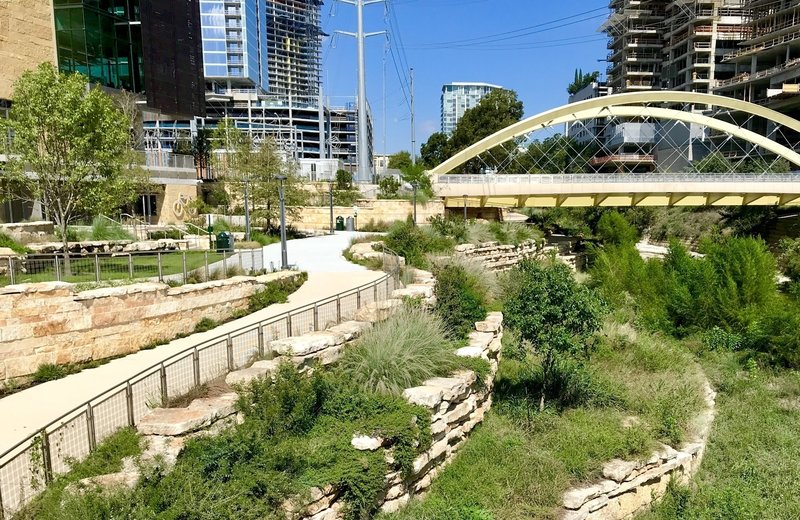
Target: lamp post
{"x":415,"y":185}
{"x":330,"y":196}
{"x":284,"y":256}
{"x":355,"y":218}
{"x":247,"y":208}
{"x":465,"y":208}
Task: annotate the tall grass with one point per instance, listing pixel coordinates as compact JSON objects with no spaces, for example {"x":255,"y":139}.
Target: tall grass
{"x":401,"y":352}
{"x":104,"y":229}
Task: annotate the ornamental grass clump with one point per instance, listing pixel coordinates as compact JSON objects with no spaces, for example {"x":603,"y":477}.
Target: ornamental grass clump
{"x":399,"y":353}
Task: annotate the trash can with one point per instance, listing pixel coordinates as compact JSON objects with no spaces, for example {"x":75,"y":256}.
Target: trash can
{"x":350,"y":224}
{"x":339,"y":223}
{"x":224,"y":241}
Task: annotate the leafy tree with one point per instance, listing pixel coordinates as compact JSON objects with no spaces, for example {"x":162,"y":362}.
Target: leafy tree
{"x":201,"y":150}
{"x":613,"y":228}
{"x":435,"y":150}
{"x":497,"y":110}
{"x":582,"y":80}
{"x":400,"y":160}
{"x":460,"y":299}
{"x":416,"y":175}
{"x":557,"y":154}
{"x":713,"y":163}
{"x":344,"y":180}
{"x":76,"y":142}
{"x":388,"y":188}
{"x":553,"y":312}
{"x":245,"y":165}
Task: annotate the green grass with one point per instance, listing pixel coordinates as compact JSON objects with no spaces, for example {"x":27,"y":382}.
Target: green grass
{"x":115,"y":268}
{"x":107,"y":458}
{"x":7,"y":241}
{"x":519,"y":462}
{"x":751,"y":470}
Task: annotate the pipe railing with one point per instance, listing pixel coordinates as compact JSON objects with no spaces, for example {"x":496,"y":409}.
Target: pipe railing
{"x":602,"y":178}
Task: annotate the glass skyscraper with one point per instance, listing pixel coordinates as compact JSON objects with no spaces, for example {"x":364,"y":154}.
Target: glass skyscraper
{"x":457,"y":98}
{"x":235,"y":42}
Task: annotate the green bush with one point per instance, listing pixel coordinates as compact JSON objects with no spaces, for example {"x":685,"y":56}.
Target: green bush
{"x":205,"y":325}
{"x":613,"y":228}
{"x":172,"y":234}
{"x":401,"y":352}
{"x":414,"y":242}
{"x":49,"y":372}
{"x":554,"y":313}
{"x":7,"y":241}
{"x":275,"y":292}
{"x":461,"y":298}
{"x":789,"y":258}
{"x":720,"y":339}
{"x":388,"y":188}
{"x":104,"y":229}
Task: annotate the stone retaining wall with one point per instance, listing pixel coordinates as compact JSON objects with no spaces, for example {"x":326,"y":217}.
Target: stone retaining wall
{"x":52,"y":323}
{"x":497,"y":257}
{"x":630,"y":487}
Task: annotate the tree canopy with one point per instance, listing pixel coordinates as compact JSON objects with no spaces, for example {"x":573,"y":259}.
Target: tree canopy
{"x":582,"y":80}
{"x":245,"y":164}
{"x":76,"y":141}
{"x":434,"y":151}
{"x":400,"y":161}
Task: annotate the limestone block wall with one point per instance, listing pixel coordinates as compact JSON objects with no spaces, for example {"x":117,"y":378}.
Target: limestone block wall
{"x":27,"y":38}
{"x":52,"y":323}
{"x":630,"y":487}
{"x":377,"y":210}
{"x":496,"y":257}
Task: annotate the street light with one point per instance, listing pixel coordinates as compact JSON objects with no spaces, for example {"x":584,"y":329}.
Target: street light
{"x":355,"y":218}
{"x":284,"y":256}
{"x":330,"y":196}
{"x":415,"y":185}
{"x":465,"y":208}
{"x":247,"y":208}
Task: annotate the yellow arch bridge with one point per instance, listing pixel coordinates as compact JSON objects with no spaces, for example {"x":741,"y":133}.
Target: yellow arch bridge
{"x":648,"y":189}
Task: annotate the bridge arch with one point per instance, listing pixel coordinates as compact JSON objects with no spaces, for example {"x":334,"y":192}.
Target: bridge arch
{"x":633,"y":105}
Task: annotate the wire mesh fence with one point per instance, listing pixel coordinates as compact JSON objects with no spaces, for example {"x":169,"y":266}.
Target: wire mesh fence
{"x":178,"y":267}
{"x":34,"y":462}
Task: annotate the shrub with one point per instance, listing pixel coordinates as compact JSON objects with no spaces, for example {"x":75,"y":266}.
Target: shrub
{"x":613,"y":228}
{"x":514,"y":233}
{"x":173,"y":234}
{"x":555,"y":314}
{"x":264,"y":239}
{"x":388,"y":188}
{"x":789,"y":259}
{"x":450,"y":226}
{"x":374,"y":227}
{"x":401,"y":352}
{"x":414,"y":242}
{"x":719,"y":339}
{"x":104,"y":229}
{"x":7,"y":241}
{"x":275,"y":292}
{"x":205,"y":325}
{"x":461,"y":299}
{"x":49,"y":372}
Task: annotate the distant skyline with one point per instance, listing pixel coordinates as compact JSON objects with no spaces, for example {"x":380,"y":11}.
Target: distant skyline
{"x":529,"y":46}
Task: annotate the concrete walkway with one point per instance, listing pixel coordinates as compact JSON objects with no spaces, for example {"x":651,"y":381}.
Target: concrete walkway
{"x":30,"y":410}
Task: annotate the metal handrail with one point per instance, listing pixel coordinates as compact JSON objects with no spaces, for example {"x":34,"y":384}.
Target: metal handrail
{"x":587,"y":178}
{"x":6,"y":457}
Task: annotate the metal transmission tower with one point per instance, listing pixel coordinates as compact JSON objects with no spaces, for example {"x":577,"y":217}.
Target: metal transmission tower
{"x":364,"y":162}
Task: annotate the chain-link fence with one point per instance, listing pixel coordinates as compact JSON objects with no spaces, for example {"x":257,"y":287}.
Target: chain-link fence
{"x":172,"y":267}
{"x":34,"y":462}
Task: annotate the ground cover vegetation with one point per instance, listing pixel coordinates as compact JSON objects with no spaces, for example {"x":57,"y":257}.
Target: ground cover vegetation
{"x":729,"y":311}
{"x":609,"y":392}
{"x":296,"y":434}
{"x":418,"y":243}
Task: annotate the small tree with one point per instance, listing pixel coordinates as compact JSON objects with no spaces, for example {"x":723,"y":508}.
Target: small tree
{"x":247,"y":166}
{"x":415,"y":174}
{"x":613,"y":228}
{"x":76,"y":143}
{"x":553,"y":312}
{"x":344,"y":180}
{"x":388,"y":188}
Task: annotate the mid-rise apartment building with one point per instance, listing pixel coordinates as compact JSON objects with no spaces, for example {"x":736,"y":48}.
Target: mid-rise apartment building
{"x":457,"y":98}
{"x":767,"y":64}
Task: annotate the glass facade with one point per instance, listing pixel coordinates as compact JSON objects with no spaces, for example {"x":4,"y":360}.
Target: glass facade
{"x":97,"y":39}
{"x":457,"y":98}
{"x":234,"y":38}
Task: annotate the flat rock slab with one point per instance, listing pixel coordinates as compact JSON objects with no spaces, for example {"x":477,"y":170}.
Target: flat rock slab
{"x":351,"y":330}
{"x":366,"y":443}
{"x":453,"y":388}
{"x":473,"y":352}
{"x":378,"y":311}
{"x":427,"y":396}
{"x":306,"y":344}
{"x":180,"y":421}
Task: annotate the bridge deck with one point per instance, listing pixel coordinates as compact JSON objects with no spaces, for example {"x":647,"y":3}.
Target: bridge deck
{"x":583,"y":190}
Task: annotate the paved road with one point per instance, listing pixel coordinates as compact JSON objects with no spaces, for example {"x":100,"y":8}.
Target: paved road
{"x":28,"y":411}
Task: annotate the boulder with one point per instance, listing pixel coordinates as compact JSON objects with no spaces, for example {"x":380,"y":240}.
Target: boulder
{"x":427,"y":396}
{"x":350,"y":330}
{"x":366,"y":443}
{"x":306,"y":344}
{"x":378,"y":311}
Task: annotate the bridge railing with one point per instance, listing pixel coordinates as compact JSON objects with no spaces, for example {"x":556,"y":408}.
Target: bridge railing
{"x":594,"y":178}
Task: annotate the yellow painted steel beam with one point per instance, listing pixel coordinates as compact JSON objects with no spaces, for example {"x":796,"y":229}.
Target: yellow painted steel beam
{"x":582,"y":110}
{"x":623,"y":200}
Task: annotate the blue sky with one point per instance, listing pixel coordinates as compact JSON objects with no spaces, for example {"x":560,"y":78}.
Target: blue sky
{"x":506,"y":42}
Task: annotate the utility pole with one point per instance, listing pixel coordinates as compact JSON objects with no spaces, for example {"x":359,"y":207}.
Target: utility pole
{"x":247,"y":208}
{"x":413,"y":126}
{"x":364,"y":174}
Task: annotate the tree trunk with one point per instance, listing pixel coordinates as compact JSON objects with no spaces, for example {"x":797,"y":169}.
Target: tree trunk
{"x":541,"y":401}
{"x":65,"y":242}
